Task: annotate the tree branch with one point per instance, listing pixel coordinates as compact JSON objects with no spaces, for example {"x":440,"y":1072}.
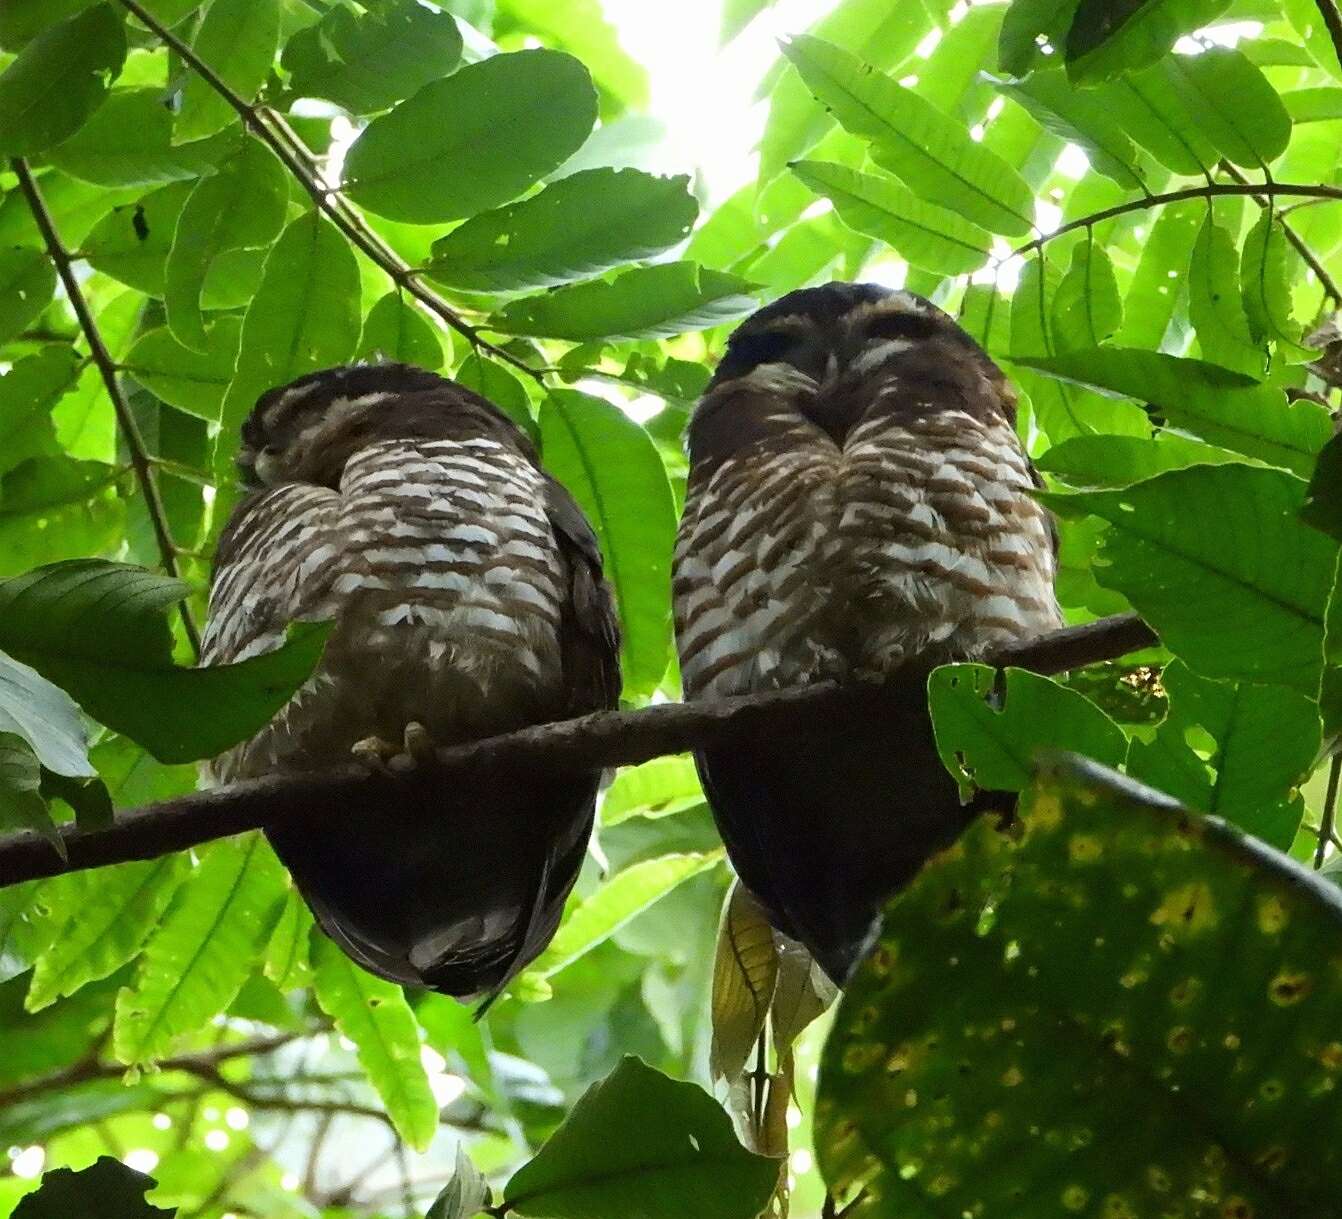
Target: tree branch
{"x":328,"y":201}
{"x":1211,"y":191}
{"x":1333,"y":20}
{"x":130,"y":431}
{"x":590,"y":742}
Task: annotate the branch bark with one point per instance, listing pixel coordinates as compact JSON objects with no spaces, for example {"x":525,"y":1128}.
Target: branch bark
{"x":590,"y":742}
{"x":1333,"y":20}
{"x":130,"y":432}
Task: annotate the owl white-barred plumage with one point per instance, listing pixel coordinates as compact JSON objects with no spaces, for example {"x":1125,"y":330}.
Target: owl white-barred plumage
{"x":465,"y":587}
{"x":858,"y":509}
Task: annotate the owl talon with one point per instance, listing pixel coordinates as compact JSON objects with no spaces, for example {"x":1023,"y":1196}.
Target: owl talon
{"x":418,"y":743}
{"x":375,"y":753}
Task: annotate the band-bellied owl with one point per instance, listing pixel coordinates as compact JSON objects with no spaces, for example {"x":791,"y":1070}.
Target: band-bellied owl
{"x":858,"y":505}
{"x":466,"y":590}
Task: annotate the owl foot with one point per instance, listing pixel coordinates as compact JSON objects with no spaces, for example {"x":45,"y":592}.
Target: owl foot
{"x":415,"y":749}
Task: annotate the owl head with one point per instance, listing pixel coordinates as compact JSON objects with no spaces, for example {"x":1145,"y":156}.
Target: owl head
{"x":305,"y":431}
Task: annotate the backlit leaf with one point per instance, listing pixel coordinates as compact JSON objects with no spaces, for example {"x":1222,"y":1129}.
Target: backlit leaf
{"x":27,"y":281}
{"x":1214,"y":304}
{"x":192,"y":381}
{"x":395,"y":330}
{"x":237,"y":39}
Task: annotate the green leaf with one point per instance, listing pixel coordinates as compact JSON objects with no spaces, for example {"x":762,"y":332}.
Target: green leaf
{"x":643,"y":303}
{"x":1127,"y":957}
{"x":612,"y":468}
{"x":287,"y":961}
{"x":1106,"y":39}
{"x":1223,"y":407}
{"x":395,"y":330}
{"x":58,"y":620}
{"x":928,"y":149}
{"x":1086,"y":307}
{"x":494,"y":381}
{"x":987,"y":736}
{"x":465,"y":1195}
{"x":577,"y":227}
{"x":366,"y":63}
{"x":203,"y":950}
{"x":375,"y":1016}
{"x":1268,"y":268}
{"x":1119,"y":461}
{"x":118,"y":909}
{"x":128,"y":142}
{"x":1152,"y":296}
{"x":237,"y":40}
{"x":926,"y":235}
{"x":108,"y":1187}
{"x":58,"y":80}
{"x":242,"y":206}
{"x":1323,"y":501}
{"x":737,"y":14}
{"x":625,"y":895}
{"x":54,"y":508}
{"x":21,"y":804}
{"x":1214,"y":304}
{"x":1313,"y":105}
{"x":638,"y":1143}
{"x":305,"y":316}
{"x":1081,"y":116}
{"x":1026,"y":24}
{"x":1264,"y":740}
{"x":654,"y":789}
{"x":189,"y":380}
{"x":45,"y":718}
{"x":28,"y":391}
{"x":1150,"y":109}
{"x":132,"y":242}
{"x":27,"y":283}
{"x":1215,"y":559}
{"x":439,"y":155}
{"x":1232,"y":104}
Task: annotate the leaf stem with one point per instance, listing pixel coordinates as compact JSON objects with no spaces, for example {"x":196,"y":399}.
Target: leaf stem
{"x":1329,"y":811}
{"x":328,"y":199}
{"x":130,"y":431}
{"x":1212,"y":191}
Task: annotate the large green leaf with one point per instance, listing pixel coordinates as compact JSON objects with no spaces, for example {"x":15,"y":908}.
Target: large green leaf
{"x":375,"y":1016}
{"x":395,"y":330}
{"x":203,"y":950}
{"x":27,"y":282}
{"x":1268,"y":269}
{"x":1152,"y":296}
{"x":613,"y":470}
{"x":1216,"y":560}
{"x":987,"y":735}
{"x":59,"y":79}
{"x":1221,"y":406}
{"x":1151,"y":110}
{"x":128,"y":142}
{"x":192,"y":381}
{"x":28,"y":391}
{"x":243,"y":205}
{"x":115,"y":911}
{"x":305,"y":316}
{"x":928,"y":149}
{"x":640,"y":1144}
{"x":1232,"y":104}
{"x":1265,"y":739}
{"x":368,"y":62}
{"x":474,"y":140}
{"x":58,"y":619}
{"x":1214,"y":304}
{"x":237,"y":39}
{"x":1026,"y":1002}
{"x":926,"y":235}
{"x":642,"y":303}
{"x":574,"y":228}
{"x":1118,"y":461}
{"x":1086,"y":307}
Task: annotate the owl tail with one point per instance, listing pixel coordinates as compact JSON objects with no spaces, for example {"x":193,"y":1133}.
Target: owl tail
{"x":825,"y":825}
{"x":437,"y":888}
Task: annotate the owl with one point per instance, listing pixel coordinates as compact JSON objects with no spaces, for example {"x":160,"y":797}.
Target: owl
{"x":859,"y":509}
{"x":467,"y":597}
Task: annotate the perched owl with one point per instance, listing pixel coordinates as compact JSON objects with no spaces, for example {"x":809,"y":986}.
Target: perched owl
{"x":858,"y":508}
{"x":466,"y":590}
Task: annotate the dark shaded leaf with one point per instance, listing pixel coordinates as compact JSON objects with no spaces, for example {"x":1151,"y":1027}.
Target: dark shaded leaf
{"x":1109,"y":37}
{"x":107,"y":1188}
{"x":21,"y":804}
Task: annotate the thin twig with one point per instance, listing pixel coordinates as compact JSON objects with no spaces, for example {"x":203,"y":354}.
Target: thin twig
{"x":1326,"y":281}
{"x":1333,"y":20}
{"x":1215,"y":190}
{"x":1329,"y":818}
{"x":325,"y":198}
{"x":130,"y":431}
{"x":590,"y":742}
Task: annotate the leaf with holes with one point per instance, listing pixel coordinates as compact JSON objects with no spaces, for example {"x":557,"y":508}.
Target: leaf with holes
{"x":611,"y":467}
{"x":638,"y":1143}
{"x":1026,"y":1000}
{"x":1216,"y":559}
{"x":218,"y":925}
{"x":375,"y":1016}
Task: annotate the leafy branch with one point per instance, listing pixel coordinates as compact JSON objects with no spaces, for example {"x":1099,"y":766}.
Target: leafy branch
{"x":1212,"y":190}
{"x":295,"y":158}
{"x":589,"y":742}
{"x":107,"y":369}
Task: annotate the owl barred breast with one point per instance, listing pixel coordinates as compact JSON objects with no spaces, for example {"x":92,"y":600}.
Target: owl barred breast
{"x":466,"y":591}
{"x":858,"y":508}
